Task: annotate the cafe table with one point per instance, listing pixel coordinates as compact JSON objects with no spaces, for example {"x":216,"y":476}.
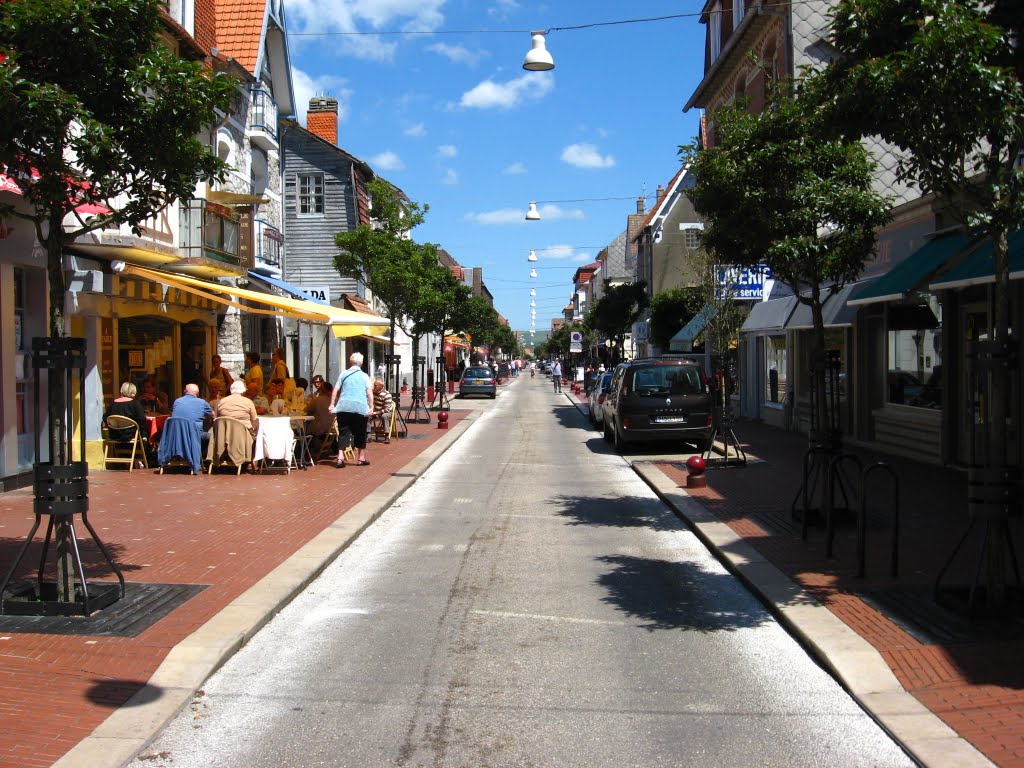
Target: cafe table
{"x":155,"y":422}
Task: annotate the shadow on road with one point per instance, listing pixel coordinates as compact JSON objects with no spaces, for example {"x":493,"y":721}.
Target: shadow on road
{"x":667,"y":595}
{"x":617,"y":511}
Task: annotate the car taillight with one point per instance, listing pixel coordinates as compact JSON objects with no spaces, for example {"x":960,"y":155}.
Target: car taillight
{"x":600,"y":398}
{"x":709,"y":420}
{"x":625,"y":422}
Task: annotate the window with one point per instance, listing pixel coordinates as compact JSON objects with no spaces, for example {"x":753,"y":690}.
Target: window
{"x":311,"y":193}
{"x":691,"y":235}
{"x":738,"y":9}
{"x":775,"y":368}
{"x":914,"y":375}
{"x":715,"y":30}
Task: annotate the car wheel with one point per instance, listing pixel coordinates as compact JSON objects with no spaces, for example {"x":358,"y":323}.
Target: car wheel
{"x":621,"y":444}
{"x":493,"y":395}
{"x":606,"y":432}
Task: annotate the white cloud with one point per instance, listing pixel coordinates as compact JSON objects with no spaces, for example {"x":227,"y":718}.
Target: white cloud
{"x":386,"y":161}
{"x":553,"y":212}
{"x":459,"y":54}
{"x":586,"y":156}
{"x":447,"y":150}
{"x":562,"y":253}
{"x":450,"y":177}
{"x":514,"y":170}
{"x":416,"y":130}
{"x":307,"y":87}
{"x":502,"y":8}
{"x":531,"y":86}
{"x":361,"y":16}
{"x":518,"y":215}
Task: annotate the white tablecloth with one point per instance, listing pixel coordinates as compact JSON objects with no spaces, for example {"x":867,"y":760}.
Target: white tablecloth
{"x":273,"y":438}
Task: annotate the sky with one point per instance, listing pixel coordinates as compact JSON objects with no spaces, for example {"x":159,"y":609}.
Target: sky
{"x":432,"y":94}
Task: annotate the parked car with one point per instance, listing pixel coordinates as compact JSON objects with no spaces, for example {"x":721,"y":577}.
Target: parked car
{"x":478,"y":380}
{"x":658,"y":399}
{"x":596,"y":398}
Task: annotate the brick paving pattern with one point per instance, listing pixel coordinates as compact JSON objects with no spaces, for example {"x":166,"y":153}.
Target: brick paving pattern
{"x":225,"y":531}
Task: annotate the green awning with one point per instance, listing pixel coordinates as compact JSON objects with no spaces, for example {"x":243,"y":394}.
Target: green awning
{"x":978,"y":268}
{"x":683,"y":340}
{"x":913,"y":271}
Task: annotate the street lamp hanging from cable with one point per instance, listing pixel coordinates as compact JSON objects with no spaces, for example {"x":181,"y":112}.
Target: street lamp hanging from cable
{"x":537,"y":58}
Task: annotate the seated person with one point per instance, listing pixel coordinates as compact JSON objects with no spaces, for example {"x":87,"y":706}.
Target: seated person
{"x":126,"y":405}
{"x":259,"y":402}
{"x":192,"y":407}
{"x":319,"y":408}
{"x":152,"y":399}
{"x":295,"y":395}
{"x":383,"y":403}
{"x":238,"y":405}
{"x":275,"y":398}
{"x":214,"y":387}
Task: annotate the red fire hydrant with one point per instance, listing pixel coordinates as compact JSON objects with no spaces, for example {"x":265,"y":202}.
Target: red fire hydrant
{"x":442,"y":420}
{"x":696,"y":466}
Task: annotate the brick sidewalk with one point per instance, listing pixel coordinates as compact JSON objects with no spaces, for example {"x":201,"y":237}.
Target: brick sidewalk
{"x":223,"y":531}
{"x":970,"y":675}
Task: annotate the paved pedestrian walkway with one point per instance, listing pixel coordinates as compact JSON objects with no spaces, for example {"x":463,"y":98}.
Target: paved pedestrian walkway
{"x":968,"y":673}
{"x":238,"y":545}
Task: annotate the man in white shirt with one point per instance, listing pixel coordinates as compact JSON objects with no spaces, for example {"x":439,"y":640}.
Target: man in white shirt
{"x":556,"y":375}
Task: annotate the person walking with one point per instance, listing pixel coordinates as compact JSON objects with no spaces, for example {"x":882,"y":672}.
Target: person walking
{"x":556,"y":375}
{"x":351,"y":402}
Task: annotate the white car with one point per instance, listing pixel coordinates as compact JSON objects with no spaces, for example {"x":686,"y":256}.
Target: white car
{"x":596,"y":397}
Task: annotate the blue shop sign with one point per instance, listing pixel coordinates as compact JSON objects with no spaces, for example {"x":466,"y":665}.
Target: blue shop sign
{"x":743,"y":283}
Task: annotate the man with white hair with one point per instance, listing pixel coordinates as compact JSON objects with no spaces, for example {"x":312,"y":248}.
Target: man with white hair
{"x":192,"y":407}
{"x":238,"y":406}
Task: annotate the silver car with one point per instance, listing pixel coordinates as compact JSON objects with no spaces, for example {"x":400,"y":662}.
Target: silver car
{"x":596,"y":398}
{"x":478,"y":380}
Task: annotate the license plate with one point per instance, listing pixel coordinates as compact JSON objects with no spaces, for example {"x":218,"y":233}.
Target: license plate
{"x":669,"y":419}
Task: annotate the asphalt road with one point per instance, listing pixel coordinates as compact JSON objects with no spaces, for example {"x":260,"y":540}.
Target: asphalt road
{"x":529,"y":602}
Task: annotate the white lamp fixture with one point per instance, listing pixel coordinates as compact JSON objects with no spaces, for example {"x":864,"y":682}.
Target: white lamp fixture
{"x":533,"y":214}
{"x":537,"y":58}
{"x":533,"y":291}
{"x":533,"y":303}
{"x":533,"y":273}
{"x":532,"y":256}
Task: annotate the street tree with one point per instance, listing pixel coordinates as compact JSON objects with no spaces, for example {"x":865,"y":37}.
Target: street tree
{"x":780,"y":188}
{"x":669,"y":311}
{"x":384,"y":257}
{"x":944,"y":82}
{"x":442,"y":301}
{"x":613,"y":315}
{"x":99,"y":115}
{"x":480,"y":322}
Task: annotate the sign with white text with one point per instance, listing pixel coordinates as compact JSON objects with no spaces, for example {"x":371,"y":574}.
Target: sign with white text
{"x":743,"y":283}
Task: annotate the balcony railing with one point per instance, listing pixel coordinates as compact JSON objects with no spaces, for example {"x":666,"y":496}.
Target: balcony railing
{"x":263,"y":119}
{"x":208,"y":230}
{"x":269,"y":245}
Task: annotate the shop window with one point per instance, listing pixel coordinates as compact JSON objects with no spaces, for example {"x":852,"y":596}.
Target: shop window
{"x":775,"y":369}
{"x":914,"y":348}
{"x":311,"y":193}
{"x":23,"y":389}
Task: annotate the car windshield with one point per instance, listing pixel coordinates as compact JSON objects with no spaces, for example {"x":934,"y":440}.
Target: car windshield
{"x":660,"y":380}
{"x":477,"y":373}
{"x":606,"y":379}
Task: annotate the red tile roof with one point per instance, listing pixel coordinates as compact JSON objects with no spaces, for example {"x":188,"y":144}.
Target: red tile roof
{"x":239,"y":30}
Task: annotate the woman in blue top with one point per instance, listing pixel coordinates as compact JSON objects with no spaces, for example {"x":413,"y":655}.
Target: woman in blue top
{"x":351,"y":402}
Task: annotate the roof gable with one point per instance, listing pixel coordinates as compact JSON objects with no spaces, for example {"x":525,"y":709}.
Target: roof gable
{"x":240,"y":29}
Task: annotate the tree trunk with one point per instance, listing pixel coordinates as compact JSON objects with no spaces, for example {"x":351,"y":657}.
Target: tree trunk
{"x":819,"y":372}
{"x":60,"y":413}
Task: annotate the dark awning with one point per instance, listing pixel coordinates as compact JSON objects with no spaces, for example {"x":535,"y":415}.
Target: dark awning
{"x":770,"y":315}
{"x":287,"y":287}
{"x":683,"y":340}
{"x":836,"y":310}
{"x":978,"y":268}
{"x":914,"y":271}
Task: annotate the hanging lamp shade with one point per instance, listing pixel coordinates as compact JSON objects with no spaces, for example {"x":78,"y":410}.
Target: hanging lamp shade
{"x":532,"y":256}
{"x":533,"y":303}
{"x":533,"y":291}
{"x":533,"y":273}
{"x":533,"y":214}
{"x":537,"y":58}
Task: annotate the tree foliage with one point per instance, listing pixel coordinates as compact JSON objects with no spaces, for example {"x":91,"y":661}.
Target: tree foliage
{"x":613,"y":315}
{"x":382,"y":255}
{"x":97,"y":110}
{"x":670,"y":311}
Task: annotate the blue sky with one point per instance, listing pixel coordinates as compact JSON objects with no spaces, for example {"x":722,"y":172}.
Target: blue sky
{"x":447,"y":113}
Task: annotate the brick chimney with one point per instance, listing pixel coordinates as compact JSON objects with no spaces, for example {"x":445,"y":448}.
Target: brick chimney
{"x":661,"y":193}
{"x":640,"y":204}
{"x":322,"y":118}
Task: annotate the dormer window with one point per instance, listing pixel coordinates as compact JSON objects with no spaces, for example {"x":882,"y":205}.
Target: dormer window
{"x":715,"y":30}
{"x":739,"y":8}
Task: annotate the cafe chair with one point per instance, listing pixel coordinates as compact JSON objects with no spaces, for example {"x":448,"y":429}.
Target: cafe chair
{"x":383,"y":427}
{"x":180,"y":444}
{"x":230,"y":445}
{"x":328,"y":448}
{"x":123,"y":450}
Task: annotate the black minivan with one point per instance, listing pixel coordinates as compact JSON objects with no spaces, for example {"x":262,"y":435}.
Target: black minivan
{"x":658,"y":399}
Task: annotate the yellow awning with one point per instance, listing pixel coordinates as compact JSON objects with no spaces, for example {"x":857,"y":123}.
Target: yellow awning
{"x":301,"y":309}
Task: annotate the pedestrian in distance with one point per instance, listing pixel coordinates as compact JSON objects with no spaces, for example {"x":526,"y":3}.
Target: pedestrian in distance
{"x":556,"y":375}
